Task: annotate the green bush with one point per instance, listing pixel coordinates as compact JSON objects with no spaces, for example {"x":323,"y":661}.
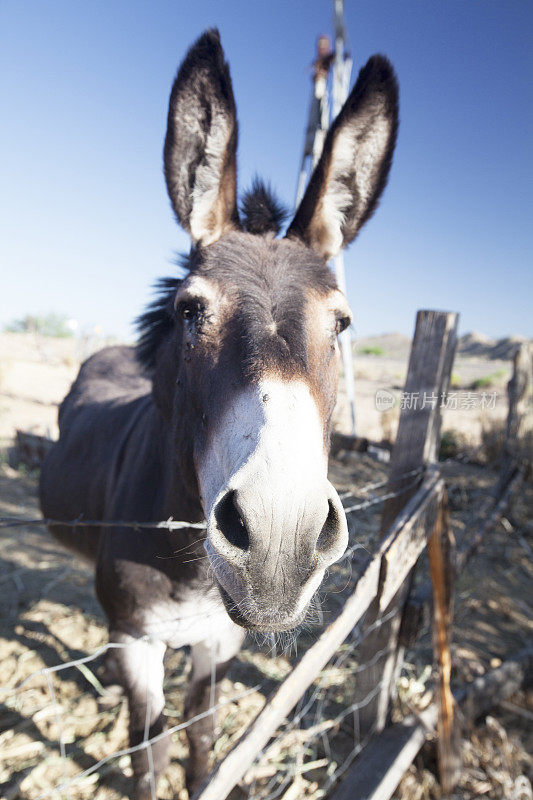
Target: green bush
{"x":45,"y":325}
{"x":455,"y":380}
{"x":488,"y":380}
{"x":451,"y":444}
{"x":374,"y":350}
{"x":482,"y":383}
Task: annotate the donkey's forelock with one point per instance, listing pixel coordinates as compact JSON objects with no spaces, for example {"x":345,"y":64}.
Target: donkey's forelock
{"x":156,"y":323}
{"x":261,"y":211}
{"x":269,"y":282}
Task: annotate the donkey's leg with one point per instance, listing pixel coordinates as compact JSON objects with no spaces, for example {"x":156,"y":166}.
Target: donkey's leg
{"x":140,"y":664}
{"x":210,"y":662}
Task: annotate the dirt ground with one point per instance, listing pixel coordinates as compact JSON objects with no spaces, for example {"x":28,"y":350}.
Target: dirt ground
{"x":49,"y":616}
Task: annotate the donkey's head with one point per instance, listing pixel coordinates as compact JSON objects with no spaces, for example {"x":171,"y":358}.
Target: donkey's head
{"x":252,"y":359}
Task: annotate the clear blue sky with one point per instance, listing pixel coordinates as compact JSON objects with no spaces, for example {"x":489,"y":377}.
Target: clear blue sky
{"x":85,"y":224}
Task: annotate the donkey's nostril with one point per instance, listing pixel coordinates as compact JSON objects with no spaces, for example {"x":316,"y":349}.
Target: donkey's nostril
{"x":230,"y":522}
{"x":329,"y":534}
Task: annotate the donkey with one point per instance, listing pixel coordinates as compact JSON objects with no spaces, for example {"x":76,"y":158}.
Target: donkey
{"x":222,"y":412}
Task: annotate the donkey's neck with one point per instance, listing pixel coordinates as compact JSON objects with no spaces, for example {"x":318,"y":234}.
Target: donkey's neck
{"x":175,"y":435}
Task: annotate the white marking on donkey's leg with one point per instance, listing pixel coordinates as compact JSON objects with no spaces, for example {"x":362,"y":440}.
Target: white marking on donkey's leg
{"x":140,"y":662}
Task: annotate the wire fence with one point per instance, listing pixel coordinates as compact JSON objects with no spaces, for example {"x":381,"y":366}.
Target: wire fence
{"x":174,"y":525}
{"x":319,"y":714}
{"x":322,"y":735}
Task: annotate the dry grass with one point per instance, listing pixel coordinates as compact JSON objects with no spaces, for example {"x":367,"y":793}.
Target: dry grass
{"x":51,"y":616}
{"x":496,"y":764}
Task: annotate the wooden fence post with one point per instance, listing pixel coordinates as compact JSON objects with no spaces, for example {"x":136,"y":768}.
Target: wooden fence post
{"x":518,"y":390}
{"x":417,"y":445}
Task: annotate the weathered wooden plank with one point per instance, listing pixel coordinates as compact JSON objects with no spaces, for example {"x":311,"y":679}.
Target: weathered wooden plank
{"x":519,"y":391}
{"x":417,"y":444}
{"x":402,"y":551}
{"x":382,"y":764}
{"x":428,"y":377}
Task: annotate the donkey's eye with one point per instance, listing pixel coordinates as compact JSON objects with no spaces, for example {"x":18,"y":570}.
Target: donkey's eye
{"x":341,"y":323}
{"x":190,"y":310}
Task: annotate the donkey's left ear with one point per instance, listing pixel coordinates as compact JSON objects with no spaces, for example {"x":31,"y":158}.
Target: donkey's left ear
{"x":201,"y":143}
{"x":354,"y":166}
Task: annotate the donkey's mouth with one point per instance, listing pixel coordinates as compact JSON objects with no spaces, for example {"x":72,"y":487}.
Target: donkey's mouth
{"x":255,"y":620}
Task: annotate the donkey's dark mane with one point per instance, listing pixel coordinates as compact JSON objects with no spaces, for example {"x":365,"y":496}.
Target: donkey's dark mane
{"x":154,"y":324}
{"x":261,"y":213}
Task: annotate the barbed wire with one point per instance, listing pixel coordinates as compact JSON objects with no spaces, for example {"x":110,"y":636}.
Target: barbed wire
{"x":369,"y":487}
{"x":171,"y":524}
{"x":381,"y":499}
{"x":318,"y":696}
{"x":147,"y":742}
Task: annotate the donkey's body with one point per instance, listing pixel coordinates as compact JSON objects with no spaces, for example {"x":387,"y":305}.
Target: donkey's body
{"x":223,"y":411}
{"x":115,"y":460}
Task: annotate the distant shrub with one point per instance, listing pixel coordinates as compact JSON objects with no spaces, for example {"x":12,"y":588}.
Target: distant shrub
{"x":455,"y":380}
{"x":482,"y":383}
{"x":488,"y":380}
{"x":451,"y":444}
{"x":374,"y":350}
{"x":46,"y":325}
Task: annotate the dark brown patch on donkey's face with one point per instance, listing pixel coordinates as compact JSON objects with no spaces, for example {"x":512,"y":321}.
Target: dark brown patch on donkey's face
{"x":251,"y":370}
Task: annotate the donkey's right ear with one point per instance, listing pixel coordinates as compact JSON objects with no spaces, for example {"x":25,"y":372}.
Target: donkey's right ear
{"x":354,"y":166}
{"x":201,"y":143}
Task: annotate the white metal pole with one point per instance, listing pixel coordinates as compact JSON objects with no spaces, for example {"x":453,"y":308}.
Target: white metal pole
{"x":317,"y":125}
{"x":342,"y":68}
